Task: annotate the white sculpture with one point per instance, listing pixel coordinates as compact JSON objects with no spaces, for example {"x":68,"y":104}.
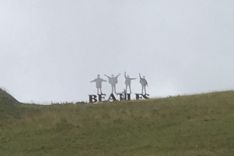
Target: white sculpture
{"x":143,"y":83}
{"x":128,"y":82}
{"x":113,"y":80}
{"x":98,"y":82}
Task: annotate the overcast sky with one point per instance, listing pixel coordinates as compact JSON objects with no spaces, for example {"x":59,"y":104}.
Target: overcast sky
{"x":50,"y":50}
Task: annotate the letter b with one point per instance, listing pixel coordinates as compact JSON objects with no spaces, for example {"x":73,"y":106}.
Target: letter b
{"x":92,"y":98}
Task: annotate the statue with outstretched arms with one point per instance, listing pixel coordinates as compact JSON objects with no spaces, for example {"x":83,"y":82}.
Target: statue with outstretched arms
{"x":98,"y":82}
{"x":113,"y":80}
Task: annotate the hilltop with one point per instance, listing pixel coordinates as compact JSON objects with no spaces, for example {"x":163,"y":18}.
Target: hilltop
{"x":8,"y":105}
{"x":6,"y":98}
{"x":175,"y":126}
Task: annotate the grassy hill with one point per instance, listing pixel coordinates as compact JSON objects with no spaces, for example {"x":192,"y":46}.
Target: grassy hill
{"x":8,"y":105}
{"x":197,"y":125}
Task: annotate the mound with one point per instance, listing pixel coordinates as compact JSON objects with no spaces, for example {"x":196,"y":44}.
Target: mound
{"x":175,"y":126}
{"x":8,"y":105}
{"x":6,"y":98}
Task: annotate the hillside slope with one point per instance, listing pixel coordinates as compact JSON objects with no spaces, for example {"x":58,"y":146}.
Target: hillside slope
{"x":8,"y":105}
{"x":197,"y":125}
{"x":6,"y":98}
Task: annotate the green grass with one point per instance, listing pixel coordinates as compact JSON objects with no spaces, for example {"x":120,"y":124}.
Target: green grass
{"x":197,"y":125}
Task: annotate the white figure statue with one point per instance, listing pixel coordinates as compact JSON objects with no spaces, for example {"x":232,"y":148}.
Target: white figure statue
{"x":143,"y":83}
{"x":98,"y":82}
{"x":128,"y":82}
{"x":113,"y":80}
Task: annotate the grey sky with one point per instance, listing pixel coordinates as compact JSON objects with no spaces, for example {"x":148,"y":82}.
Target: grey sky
{"x":51,"y":49}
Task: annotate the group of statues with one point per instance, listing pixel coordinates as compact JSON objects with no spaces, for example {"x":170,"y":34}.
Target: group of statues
{"x":113,"y":81}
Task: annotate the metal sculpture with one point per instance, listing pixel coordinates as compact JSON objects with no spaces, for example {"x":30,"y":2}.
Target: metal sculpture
{"x":113,"y":80}
{"x":98,"y":82}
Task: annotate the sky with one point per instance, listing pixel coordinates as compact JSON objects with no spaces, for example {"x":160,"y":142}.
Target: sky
{"x":50,"y":50}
